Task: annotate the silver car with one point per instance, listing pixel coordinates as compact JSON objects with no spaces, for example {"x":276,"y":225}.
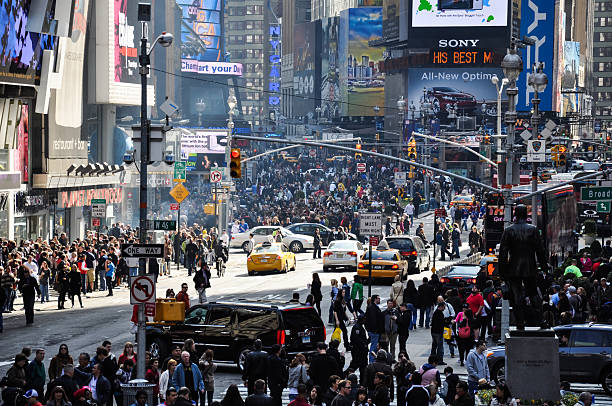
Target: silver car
{"x":342,"y":254}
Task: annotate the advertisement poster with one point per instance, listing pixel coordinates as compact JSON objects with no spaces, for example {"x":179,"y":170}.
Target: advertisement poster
{"x":538,"y":22}
{"x":201,"y":141}
{"x":459,"y":13}
{"x":467,"y":89}
{"x":201,"y":33}
{"x":362,"y":83}
{"x":391,"y":23}
{"x":127,"y":36}
{"x":330,"y":80}
{"x":22,"y":130}
{"x":21,"y":50}
{"x":304,"y":68}
{"x":571,"y":60}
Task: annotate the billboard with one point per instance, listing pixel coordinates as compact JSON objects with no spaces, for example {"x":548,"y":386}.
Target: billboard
{"x":391,"y":23}
{"x":330,"y":71}
{"x":202,"y":141}
{"x":362,"y":84}
{"x":201,"y":35}
{"x":467,"y":88}
{"x":571,"y":62}
{"x":118,"y":33}
{"x":431,"y":21}
{"x":538,"y":22}
{"x":306,"y":68}
{"x":21,"y":50}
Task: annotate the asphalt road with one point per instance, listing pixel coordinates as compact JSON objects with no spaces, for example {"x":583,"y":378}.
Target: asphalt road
{"x":109,"y":317}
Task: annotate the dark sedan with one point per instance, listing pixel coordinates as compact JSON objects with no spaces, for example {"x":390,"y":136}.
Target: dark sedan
{"x":460,"y":275}
{"x":585,"y":355}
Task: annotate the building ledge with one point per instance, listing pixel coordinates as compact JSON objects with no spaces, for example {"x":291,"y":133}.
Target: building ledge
{"x":59,"y":181}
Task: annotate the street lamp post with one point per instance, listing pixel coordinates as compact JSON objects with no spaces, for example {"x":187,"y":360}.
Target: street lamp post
{"x":231,"y":105}
{"x":500,"y":89}
{"x":401,"y":106}
{"x":512,"y":64}
{"x":538,"y":82}
{"x":376,"y":111}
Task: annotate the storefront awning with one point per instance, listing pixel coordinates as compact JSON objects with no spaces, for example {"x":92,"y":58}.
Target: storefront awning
{"x":57,"y":181}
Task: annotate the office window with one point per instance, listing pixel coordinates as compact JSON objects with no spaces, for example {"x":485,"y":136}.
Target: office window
{"x":254,"y":25}
{"x":236,"y":25}
{"x":254,"y":10}
{"x":237,"y":11}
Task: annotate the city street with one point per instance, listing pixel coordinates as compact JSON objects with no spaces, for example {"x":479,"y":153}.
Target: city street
{"x":109,"y":317}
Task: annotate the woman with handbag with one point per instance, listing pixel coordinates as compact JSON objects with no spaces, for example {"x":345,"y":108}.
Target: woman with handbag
{"x":201,"y":279}
{"x":297,"y":375}
{"x":465,"y":332}
{"x":339,"y":308}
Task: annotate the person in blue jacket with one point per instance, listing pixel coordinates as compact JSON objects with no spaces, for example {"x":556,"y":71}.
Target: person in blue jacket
{"x":187,"y":374}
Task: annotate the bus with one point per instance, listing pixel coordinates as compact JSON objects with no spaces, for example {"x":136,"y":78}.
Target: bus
{"x":556,"y":218}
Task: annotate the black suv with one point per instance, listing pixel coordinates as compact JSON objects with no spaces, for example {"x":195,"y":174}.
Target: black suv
{"x":230,"y":328}
{"x":585,"y":355}
{"x":413,"y":250}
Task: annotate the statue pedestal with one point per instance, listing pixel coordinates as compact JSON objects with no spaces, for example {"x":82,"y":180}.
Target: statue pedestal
{"x":532,"y":364}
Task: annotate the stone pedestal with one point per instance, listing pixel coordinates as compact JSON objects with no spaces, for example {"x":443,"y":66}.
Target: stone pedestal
{"x":532,"y":364}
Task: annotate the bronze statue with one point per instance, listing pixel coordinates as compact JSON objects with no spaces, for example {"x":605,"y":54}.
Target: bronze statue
{"x":520,"y":246}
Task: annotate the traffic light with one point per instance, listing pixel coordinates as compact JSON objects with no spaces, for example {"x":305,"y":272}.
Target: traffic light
{"x":608,"y":140}
{"x":358,"y":154}
{"x":554,"y":153}
{"x":562,"y":156}
{"x":487,"y":139}
{"x":235,"y":168}
{"x":377,"y":136}
{"x":412,"y":154}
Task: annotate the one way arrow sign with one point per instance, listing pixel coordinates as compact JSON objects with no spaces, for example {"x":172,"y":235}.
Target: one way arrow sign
{"x":142,"y":250}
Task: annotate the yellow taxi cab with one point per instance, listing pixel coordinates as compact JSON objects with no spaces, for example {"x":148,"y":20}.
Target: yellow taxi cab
{"x":463,"y":201}
{"x":270,"y":256}
{"x":386,"y":263}
{"x":290,"y":159}
{"x":547,"y":174}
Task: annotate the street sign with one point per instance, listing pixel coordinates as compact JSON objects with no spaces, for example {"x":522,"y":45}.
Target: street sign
{"x":179,"y":192}
{"x":375,"y":241}
{"x":312,"y":153}
{"x":180,"y":171}
{"x":175,"y":206}
{"x":370,"y":224}
{"x":400,"y":179}
{"x":536,"y":151}
{"x":150,"y":309}
{"x":98,"y":208}
{"x":142,"y":250}
{"x":361,"y":167}
{"x":603,"y":207}
{"x":596,"y":193}
{"x":216,"y":176}
{"x":95,"y":222}
{"x":164,"y":225}
{"x":142,"y":289}
{"x":440,"y":212}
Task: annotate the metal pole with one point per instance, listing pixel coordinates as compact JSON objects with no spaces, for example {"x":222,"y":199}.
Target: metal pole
{"x":534,"y":166}
{"x":370,"y":266}
{"x":178,"y":232}
{"x":499,"y":124}
{"x":144,"y":159}
{"x":216,"y":212}
{"x":433,"y":270}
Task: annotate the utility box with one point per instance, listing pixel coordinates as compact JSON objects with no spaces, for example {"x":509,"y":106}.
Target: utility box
{"x":169,"y":310}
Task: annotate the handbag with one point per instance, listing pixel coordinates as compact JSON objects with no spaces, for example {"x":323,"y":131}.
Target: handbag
{"x":337,"y":334}
{"x":447,"y":333}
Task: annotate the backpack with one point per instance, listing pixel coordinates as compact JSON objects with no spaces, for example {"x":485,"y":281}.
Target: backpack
{"x":464,"y":329}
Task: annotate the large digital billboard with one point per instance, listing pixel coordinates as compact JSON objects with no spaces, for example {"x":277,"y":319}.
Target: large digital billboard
{"x":330,"y":71}
{"x":201,"y":34}
{"x":434,"y":23}
{"x":537,"y":22}
{"x":466,"y":89}
{"x":306,"y":68}
{"x":571,"y":62}
{"x":21,"y":50}
{"x":362,"y":83}
{"x":391,"y":17}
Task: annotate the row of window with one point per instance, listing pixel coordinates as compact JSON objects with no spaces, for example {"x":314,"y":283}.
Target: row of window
{"x":603,"y":36}
{"x":603,"y":21}
{"x":602,"y":96}
{"x":602,"y":67}
{"x":239,"y":54}
{"x":245,"y":10}
{"x":603,"y":82}
{"x":245,"y":25}
{"x":249,"y":39}
{"x":602,"y":51}
{"x":603,"y":6}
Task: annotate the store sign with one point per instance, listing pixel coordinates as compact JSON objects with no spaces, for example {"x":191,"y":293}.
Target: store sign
{"x":211,"y":68}
{"x":80,"y":198}
{"x":464,"y":57}
{"x":275,"y":65}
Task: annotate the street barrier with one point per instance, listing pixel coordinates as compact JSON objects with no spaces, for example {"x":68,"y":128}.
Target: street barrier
{"x":471,"y":260}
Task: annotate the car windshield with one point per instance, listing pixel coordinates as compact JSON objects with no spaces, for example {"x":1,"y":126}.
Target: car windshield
{"x":382,"y":255}
{"x":286,"y":231}
{"x":402,"y":244}
{"x":463,"y":198}
{"x":464,"y":270}
{"x":445,"y":89}
{"x":262,"y":249}
{"x":342,"y":245}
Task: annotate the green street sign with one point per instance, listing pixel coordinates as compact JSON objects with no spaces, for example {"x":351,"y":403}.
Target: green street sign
{"x":180,"y":171}
{"x":163,"y":225}
{"x":603,"y":207}
{"x":98,"y":201}
{"x":596,"y":193}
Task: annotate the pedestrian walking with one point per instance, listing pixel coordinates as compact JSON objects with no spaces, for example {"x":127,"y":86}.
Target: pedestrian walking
{"x":426,"y":297}
{"x":477,"y":367}
{"x":75,"y":285}
{"x":437,"y":332}
{"x":374,"y":324}
{"x":315,"y":290}
{"x":255,"y":366}
{"x":43,"y":280}
{"x":357,"y":295}
{"x":207,"y":369}
{"x":316,"y":252}
{"x":201,"y":280}
{"x":28,"y":286}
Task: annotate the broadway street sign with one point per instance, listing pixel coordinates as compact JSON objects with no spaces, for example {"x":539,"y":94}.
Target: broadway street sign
{"x":596,"y":193}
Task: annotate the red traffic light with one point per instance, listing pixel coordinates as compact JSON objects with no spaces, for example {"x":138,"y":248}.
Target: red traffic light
{"x":235,"y":153}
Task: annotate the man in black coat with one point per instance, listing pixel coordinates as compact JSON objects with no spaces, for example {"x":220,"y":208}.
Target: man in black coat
{"x":374,"y":323}
{"x":255,"y":366}
{"x":404,"y":319}
{"x":519,"y":248}
{"x":426,"y":300}
{"x":28,"y":286}
{"x":359,"y":347}
{"x":66,"y":381}
{"x":277,"y":374}
{"x":322,"y":366}
{"x":379,"y":365}
{"x":259,"y":398}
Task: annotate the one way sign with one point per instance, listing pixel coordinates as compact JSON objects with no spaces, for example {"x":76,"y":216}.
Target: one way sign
{"x":142,"y":250}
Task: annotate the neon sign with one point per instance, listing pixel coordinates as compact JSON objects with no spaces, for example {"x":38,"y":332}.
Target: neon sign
{"x":275,"y":63}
